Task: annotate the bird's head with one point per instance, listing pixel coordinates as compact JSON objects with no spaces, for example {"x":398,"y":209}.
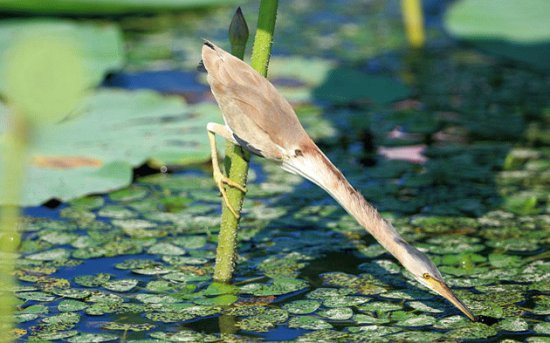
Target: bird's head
{"x":425,"y":272}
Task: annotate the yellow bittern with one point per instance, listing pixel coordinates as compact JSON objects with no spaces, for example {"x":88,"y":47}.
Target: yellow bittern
{"x":261,"y":121}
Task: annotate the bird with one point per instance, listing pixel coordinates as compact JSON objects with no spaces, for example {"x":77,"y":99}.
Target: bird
{"x":259,"y":119}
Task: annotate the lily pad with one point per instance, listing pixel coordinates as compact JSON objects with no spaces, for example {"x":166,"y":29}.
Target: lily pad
{"x":120,"y":285}
{"x":345,"y":85}
{"x":101,"y":45}
{"x":70,"y":305}
{"x":70,"y":159}
{"x":277,"y":287}
{"x":487,"y":24}
{"x":35,"y":296}
{"x":338,"y":313}
{"x":308,"y":323}
{"x":422,"y":320}
{"x":92,"y":280}
{"x":220,"y":300}
{"x":542,"y":328}
{"x":302,"y":306}
{"x":377,"y":306}
{"x":50,"y":255}
{"x":513,"y":324}
{"x":264,"y":321}
{"x":165,"y":249}
{"x":92,"y":338}
{"x":72,"y":293}
{"x":63,"y":318}
{"x":185,"y":336}
{"x":129,"y":327}
{"x":473,"y":331}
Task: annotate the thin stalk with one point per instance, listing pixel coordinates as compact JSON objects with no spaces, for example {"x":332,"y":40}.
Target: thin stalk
{"x":261,"y":52}
{"x":236,"y":159}
{"x":236,"y":168}
{"x":414,"y":22}
{"x":12,"y":186}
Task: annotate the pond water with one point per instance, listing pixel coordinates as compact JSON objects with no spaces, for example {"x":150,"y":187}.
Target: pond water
{"x":455,"y":154}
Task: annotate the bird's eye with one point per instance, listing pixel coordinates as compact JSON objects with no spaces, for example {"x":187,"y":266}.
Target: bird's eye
{"x":426,"y":276}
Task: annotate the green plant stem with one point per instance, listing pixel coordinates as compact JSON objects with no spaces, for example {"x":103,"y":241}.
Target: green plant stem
{"x":11,"y":183}
{"x":261,"y":52}
{"x":236,"y":159}
{"x":236,"y":168}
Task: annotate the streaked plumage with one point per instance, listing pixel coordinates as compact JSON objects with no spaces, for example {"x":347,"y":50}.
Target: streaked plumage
{"x":259,"y":119}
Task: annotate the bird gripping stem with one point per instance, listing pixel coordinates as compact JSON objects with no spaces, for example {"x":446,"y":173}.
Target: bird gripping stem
{"x":236,"y":159}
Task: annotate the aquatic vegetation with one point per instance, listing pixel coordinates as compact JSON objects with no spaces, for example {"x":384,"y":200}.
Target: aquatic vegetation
{"x":138,"y":262}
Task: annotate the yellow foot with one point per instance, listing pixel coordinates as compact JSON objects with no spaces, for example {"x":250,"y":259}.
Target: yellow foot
{"x":220,"y":180}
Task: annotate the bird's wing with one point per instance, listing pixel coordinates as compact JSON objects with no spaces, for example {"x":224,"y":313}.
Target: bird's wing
{"x":252,"y":107}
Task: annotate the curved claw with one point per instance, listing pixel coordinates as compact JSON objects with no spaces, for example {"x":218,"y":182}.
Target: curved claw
{"x":220,"y":181}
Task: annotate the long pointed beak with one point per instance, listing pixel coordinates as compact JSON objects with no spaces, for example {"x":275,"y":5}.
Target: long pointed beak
{"x":445,"y":291}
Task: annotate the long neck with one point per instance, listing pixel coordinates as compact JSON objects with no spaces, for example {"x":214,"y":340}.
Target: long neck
{"x":316,"y":167}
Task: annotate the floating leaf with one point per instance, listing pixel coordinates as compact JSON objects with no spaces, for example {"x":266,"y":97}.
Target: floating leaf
{"x":190,"y":241}
{"x":263,"y":321}
{"x":50,"y":255}
{"x":136,"y":264}
{"x":73,"y":158}
{"x":35,"y":309}
{"x":156,"y":299}
{"x":56,"y":335}
{"x":422,"y":320}
{"x":129,"y":327}
{"x":99,"y":309}
{"x":542,"y":328}
{"x":345,"y":85}
{"x":220,"y":300}
{"x":170,"y":317}
{"x":92,"y":337}
{"x":35,"y":296}
{"x":324,"y":293}
{"x":184,"y":260}
{"x":277,"y":287}
{"x":348,"y":300}
{"x":338,"y":313}
{"x":308,"y":323}
{"x":63,"y":318}
{"x":161,"y":286}
{"x":219,"y":288}
{"x":367,"y":319}
{"x":302,"y":306}
{"x":185,"y":336}
{"x":377,"y":306}
{"x":128,"y":194}
{"x":71,"y":305}
{"x":25,"y":317}
{"x":120,"y":285}
{"x":105,"y":298}
{"x":486,"y":23}
{"x":92,"y":280}
{"x":100,"y":45}
{"x":165,"y":249}
{"x":513,"y":324}
{"x":72,"y":293}
{"x":473,"y":331}
{"x":425,"y":306}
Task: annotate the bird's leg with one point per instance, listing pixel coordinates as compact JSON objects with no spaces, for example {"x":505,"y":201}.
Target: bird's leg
{"x":219,"y":177}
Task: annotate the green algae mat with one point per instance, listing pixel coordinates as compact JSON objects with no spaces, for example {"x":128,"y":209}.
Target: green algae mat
{"x":136,"y":264}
